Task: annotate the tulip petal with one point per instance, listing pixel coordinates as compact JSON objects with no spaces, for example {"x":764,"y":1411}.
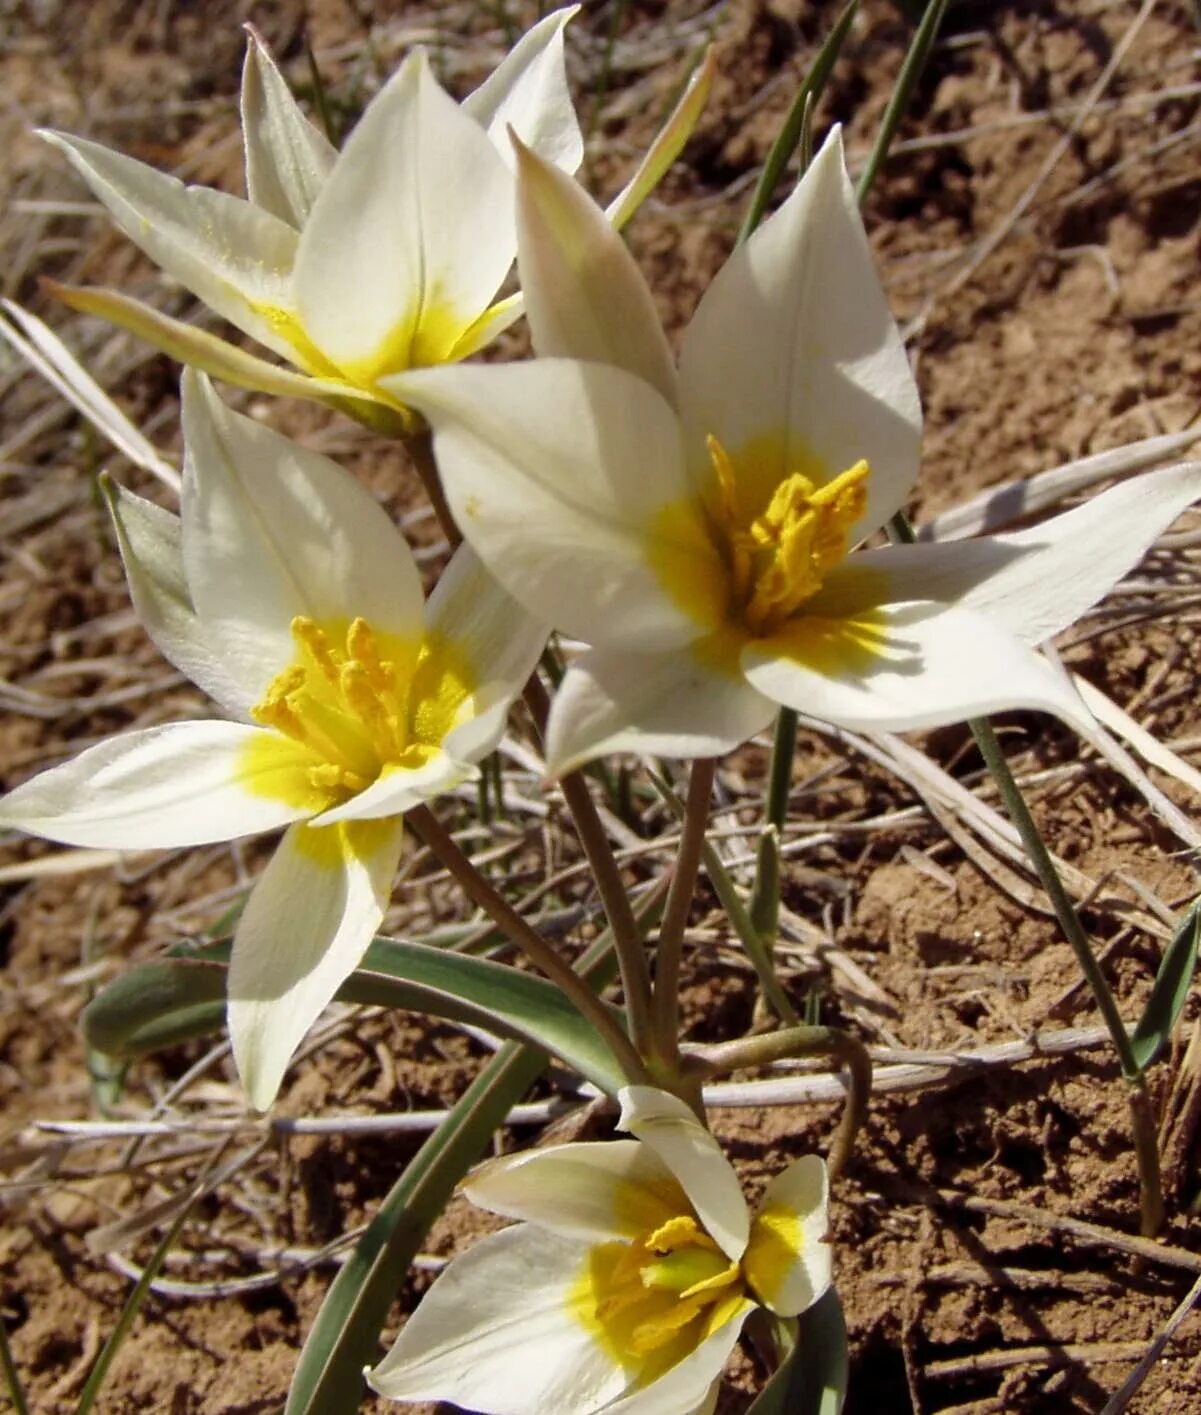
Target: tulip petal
{"x":788,"y":1258}
{"x":793,"y":360}
{"x":272,"y":530}
{"x":306,"y":925}
{"x":690,"y":1386}
{"x":903,"y":666}
{"x":395,"y":261}
{"x":204,"y":351}
{"x":399,"y":789}
{"x":187,"y":783}
{"x":150,"y":542}
{"x":287,"y":158}
{"x":555,"y":471}
{"x":668,"y":143}
{"x":585,"y":296}
{"x":671,"y":704}
{"x":469,"y":610}
{"x":615,"y":1189}
{"x":528,"y":92}
{"x":233,"y":255}
{"x":496,"y":1333}
{"x":1038,"y":581}
{"x":672,"y":1131}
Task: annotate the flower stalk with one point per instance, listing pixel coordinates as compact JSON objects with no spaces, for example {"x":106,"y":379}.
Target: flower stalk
{"x":442,"y":846}
{"x":675,"y":915}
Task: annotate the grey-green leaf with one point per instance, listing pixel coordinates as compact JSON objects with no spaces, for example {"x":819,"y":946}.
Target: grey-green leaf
{"x":1171,"y":989}
{"x":175,"y":999}
{"x":812,"y":1380}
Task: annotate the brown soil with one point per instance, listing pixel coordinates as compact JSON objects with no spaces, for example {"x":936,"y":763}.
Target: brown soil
{"x":963,"y":1286}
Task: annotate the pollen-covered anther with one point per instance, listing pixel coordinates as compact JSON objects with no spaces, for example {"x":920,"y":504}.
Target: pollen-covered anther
{"x":778,"y":559}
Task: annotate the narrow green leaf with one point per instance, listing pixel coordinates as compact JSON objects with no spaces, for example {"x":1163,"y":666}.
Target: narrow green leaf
{"x":175,"y":999}
{"x":12,"y":1377}
{"x":793,"y":127}
{"x":911,"y":71}
{"x":812,"y":1380}
{"x":1168,"y":996}
{"x":345,"y":1336}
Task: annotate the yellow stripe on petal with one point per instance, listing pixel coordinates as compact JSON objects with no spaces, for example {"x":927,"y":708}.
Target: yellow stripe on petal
{"x":329,"y":847}
{"x":837,"y":647}
{"x":777,"y":1238}
{"x":280,"y":769}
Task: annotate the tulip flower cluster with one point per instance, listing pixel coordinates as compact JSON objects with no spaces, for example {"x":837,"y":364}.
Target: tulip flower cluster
{"x":703,"y":529}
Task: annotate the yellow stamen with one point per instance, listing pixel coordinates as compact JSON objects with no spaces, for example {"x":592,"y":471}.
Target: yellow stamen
{"x":360,"y":703}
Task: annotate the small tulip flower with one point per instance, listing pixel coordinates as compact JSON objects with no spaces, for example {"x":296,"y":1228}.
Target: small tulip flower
{"x":703,"y":528}
{"x":385,"y":256}
{"x":627,"y":1282}
{"x":288,"y":595}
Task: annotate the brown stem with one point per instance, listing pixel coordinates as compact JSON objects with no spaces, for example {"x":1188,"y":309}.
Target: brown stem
{"x":532,"y":944}
{"x":669,"y":952}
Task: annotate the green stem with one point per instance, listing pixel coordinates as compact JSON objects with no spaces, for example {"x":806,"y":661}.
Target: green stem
{"x":420,"y":447}
{"x":779,"y":781}
{"x":675,"y":915}
{"x":627,"y":936}
{"x":1142,"y":1120}
{"x":12,"y":1377}
{"x":432,"y":834}
{"x":911,"y":69}
{"x":804,"y":1041}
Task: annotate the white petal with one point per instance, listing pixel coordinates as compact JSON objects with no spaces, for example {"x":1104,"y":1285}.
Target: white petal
{"x":669,"y":1128}
{"x":528,"y":92}
{"x":903,"y":666}
{"x":468,"y":609}
{"x":690,"y":1386}
{"x":397,"y":261}
{"x":399,"y":790}
{"x":496,"y":1334}
{"x":188,"y":783}
{"x":272,"y":530}
{"x":670,"y":703}
{"x":206,"y":352}
{"x":287,"y":158}
{"x":793,"y":360}
{"x":306,"y":925}
{"x":150,"y":542}
{"x":233,"y":255}
{"x":585,"y":296}
{"x":1038,"y":581}
{"x":555,"y":471}
{"x":590,"y":1190}
{"x":788,"y":1258}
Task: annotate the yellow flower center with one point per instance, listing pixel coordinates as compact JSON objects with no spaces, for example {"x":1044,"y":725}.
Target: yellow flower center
{"x":778,"y":558}
{"x":744,"y":562}
{"x":652,"y":1301}
{"x":361,"y":703}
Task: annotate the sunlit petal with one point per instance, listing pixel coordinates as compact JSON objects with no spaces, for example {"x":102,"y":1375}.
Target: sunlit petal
{"x":673,"y":704}
{"x":793,"y":360}
{"x":528,"y":92}
{"x":187,"y":783}
{"x":272,"y":531}
{"x":497,"y":1334}
{"x":615,"y":1189}
{"x":235,"y":256}
{"x":585,"y":296}
{"x":306,"y":925}
{"x":555,"y":471}
{"x":665,"y":1124}
{"x":902,"y":666}
{"x":287,"y":158}
{"x":395,"y":261}
{"x":788,"y":1258}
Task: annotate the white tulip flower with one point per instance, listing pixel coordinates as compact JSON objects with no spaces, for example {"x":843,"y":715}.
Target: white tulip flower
{"x":627,"y":1283}
{"x":695,"y":526}
{"x":385,"y":256}
{"x":288,"y":595}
